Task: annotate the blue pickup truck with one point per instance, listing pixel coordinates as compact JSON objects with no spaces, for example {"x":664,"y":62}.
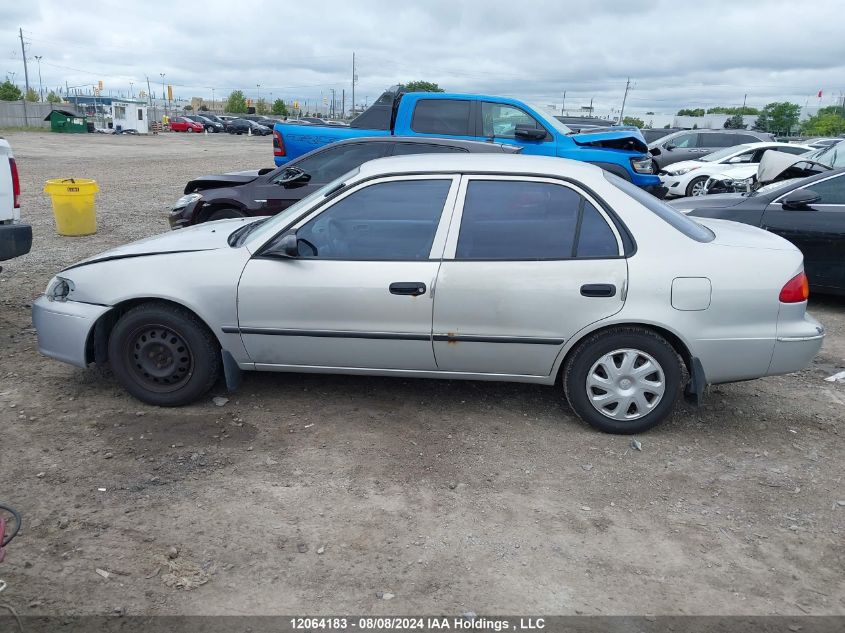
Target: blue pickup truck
{"x":478,"y":118}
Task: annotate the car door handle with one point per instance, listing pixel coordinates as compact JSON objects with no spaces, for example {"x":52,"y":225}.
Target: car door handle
{"x":598,"y":290}
{"x":409,"y":288}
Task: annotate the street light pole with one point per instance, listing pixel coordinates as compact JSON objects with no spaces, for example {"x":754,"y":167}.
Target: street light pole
{"x":212,"y":102}
{"x":258,"y":98}
{"x":40,"y":86}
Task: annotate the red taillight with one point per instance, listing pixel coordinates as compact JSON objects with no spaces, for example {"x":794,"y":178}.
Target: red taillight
{"x":796,"y":289}
{"x":16,"y":183}
{"x":278,"y":144}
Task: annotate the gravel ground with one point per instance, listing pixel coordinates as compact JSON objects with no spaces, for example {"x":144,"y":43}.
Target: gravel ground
{"x":328,"y":494}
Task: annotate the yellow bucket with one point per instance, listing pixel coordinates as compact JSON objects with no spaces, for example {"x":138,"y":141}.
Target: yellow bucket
{"x":73,"y":205}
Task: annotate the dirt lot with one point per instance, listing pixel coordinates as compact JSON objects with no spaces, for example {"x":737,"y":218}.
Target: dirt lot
{"x":345,"y":494}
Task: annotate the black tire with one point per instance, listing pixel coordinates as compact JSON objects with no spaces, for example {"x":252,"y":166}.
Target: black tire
{"x":591,"y":350}
{"x":700,"y":180}
{"x":179,"y":349}
{"x":226,"y":213}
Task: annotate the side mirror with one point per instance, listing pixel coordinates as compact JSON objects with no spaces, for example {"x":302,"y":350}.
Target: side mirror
{"x":800,"y":199}
{"x":529,"y":133}
{"x":287,"y":246}
{"x":668,"y":147}
{"x":291,"y":176}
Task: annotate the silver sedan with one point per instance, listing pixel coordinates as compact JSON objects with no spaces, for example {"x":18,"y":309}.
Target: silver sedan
{"x":481,"y":267}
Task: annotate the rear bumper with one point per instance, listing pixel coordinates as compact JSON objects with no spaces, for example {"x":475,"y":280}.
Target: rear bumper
{"x":63,"y":328}
{"x":796,"y":345}
{"x":15,"y":240}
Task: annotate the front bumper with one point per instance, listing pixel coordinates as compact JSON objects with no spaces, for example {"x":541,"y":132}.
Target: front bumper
{"x":64,"y":327}
{"x":183,"y":216}
{"x":15,"y":240}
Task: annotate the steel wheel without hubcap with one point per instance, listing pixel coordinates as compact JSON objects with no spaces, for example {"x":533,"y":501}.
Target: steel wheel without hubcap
{"x":159,"y":359}
{"x":625,"y":384}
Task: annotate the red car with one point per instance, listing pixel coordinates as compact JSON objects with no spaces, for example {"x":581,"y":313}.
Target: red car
{"x":181,"y":124}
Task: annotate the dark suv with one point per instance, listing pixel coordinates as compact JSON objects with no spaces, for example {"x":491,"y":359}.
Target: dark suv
{"x":692,"y":144}
{"x":269,"y":191}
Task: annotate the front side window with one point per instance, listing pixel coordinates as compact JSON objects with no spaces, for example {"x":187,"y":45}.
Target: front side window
{"x":684,"y":141}
{"x":499,"y":120}
{"x":385,"y":221}
{"x":442,"y":116}
{"x":522,"y":220}
{"x":831,"y":190}
{"x":336,"y":161}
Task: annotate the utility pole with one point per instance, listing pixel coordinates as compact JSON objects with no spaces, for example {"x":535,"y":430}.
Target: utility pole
{"x":131,"y":89}
{"x":563,"y":104}
{"x":149,"y":91}
{"x":40,"y":85}
{"x":332,"y":106}
{"x":26,"y":78}
{"x":354,"y":81}
{"x":624,"y":98}
{"x":212,"y":102}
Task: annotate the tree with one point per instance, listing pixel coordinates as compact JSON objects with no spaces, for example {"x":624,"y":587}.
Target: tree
{"x":261,"y":106}
{"x":828,"y":121}
{"x":189,"y":108}
{"x":735,"y":123}
{"x":632,"y":120}
{"x":203,"y":108}
{"x":52,"y":97}
{"x":730,"y":110}
{"x":779,"y":117}
{"x":691,"y":112}
{"x":236,"y":103}
{"x":280,"y":108}
{"x":422,"y":86}
{"x":31,"y":95}
{"x":10,"y":92}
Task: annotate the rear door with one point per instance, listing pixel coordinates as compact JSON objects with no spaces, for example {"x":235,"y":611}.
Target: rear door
{"x":323,"y":167}
{"x":819,"y":231}
{"x":528,"y":263}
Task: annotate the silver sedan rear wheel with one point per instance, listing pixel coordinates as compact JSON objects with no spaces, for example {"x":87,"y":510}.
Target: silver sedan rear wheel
{"x":625,"y":384}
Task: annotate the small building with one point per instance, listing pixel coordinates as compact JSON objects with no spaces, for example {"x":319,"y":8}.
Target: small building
{"x":114,"y":113}
{"x":67,"y":121}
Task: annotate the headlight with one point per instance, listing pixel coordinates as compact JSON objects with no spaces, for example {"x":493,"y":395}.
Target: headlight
{"x":58,"y":289}
{"x":184,"y":201}
{"x":642,"y":165}
{"x":681,"y":171}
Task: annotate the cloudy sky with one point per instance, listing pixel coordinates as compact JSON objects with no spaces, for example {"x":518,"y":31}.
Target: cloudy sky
{"x":677,"y":54}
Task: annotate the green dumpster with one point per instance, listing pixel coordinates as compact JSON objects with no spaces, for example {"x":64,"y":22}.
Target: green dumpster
{"x":66,"y":121}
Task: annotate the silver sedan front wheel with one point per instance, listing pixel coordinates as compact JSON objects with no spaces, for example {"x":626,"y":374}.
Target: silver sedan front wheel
{"x":625,"y":384}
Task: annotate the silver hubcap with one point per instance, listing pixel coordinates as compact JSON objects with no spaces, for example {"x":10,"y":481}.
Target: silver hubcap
{"x":700,"y":188}
{"x":625,"y":384}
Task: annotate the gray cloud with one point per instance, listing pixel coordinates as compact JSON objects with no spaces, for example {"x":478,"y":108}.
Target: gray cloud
{"x":677,"y":54}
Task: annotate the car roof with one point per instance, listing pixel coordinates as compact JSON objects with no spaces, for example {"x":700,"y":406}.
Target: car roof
{"x":478,"y":146}
{"x":481,"y":163}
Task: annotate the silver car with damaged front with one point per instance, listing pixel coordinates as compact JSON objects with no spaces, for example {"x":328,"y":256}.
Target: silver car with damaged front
{"x":483,"y":267}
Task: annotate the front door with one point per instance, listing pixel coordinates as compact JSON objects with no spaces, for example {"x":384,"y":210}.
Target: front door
{"x":499,"y":121}
{"x":818,"y":230}
{"x":322,"y":167}
{"x":358,"y":295}
{"x":529,"y":262}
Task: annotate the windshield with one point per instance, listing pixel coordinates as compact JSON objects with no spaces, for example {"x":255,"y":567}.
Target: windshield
{"x":276,"y":223}
{"x":832,"y":156}
{"x":715,"y":157}
{"x":549,"y":119}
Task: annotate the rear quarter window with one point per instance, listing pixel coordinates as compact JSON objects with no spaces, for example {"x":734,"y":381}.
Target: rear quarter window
{"x":673,"y":217}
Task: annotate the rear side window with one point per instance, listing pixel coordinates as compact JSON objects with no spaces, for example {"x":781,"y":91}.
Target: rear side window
{"x":671,"y":216}
{"x":385,"y":221}
{"x":520,"y":220}
{"x":401,"y":149}
{"x":441,"y":116}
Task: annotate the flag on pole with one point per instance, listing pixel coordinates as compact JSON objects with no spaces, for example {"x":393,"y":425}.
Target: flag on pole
{"x":820,"y":94}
